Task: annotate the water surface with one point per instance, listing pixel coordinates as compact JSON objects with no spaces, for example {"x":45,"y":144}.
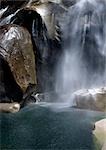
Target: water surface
{"x":46,"y":127}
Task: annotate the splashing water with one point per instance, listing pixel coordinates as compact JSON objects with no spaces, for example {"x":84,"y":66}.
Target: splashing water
{"x":83,"y":63}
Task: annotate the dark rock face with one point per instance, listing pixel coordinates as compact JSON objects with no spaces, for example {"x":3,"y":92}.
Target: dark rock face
{"x":9,"y":89}
{"x":46,"y":50}
{"x":12,"y":5}
{"x":33,"y":22}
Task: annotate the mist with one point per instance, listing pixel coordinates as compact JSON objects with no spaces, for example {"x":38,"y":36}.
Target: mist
{"x":83,"y":62}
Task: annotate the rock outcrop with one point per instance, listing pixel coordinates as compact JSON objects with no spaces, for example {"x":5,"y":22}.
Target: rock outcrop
{"x":16,"y":48}
{"x":20,"y":28}
{"x":48,"y":11}
{"x":100,"y":133}
{"x":93,"y":99}
{"x":9,"y":107}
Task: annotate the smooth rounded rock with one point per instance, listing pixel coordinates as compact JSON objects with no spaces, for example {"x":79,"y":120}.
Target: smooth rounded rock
{"x":93,"y":99}
{"x":9,"y":107}
{"x":100,"y":133}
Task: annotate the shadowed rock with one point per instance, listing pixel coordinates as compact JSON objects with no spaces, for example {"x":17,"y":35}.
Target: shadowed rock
{"x":47,"y":50}
{"x":45,"y":36}
{"x":9,"y":89}
{"x":48,"y":11}
{"x":12,"y":6}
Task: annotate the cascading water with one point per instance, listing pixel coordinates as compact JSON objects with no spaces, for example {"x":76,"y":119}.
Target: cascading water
{"x":83,"y":63}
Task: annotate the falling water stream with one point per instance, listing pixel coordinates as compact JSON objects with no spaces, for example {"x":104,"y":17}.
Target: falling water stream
{"x":83,"y":63}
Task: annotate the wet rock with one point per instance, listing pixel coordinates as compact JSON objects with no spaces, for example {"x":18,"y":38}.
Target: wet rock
{"x":2,"y":11}
{"x":12,"y":6}
{"x":100,"y":133}
{"x":17,"y":50}
{"x":45,"y":38}
{"x":48,"y":11}
{"x":41,"y":44}
{"x":9,"y":107}
{"x":47,"y":50}
{"x":68,"y":3}
{"x":93,"y":99}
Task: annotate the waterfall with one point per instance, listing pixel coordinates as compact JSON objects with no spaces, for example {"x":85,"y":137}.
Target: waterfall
{"x":83,"y":62}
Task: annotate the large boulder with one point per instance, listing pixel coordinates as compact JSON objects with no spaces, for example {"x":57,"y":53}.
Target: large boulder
{"x":94,"y":99}
{"x":100,"y":133}
{"x":16,"y":48}
{"x":39,"y":17}
{"x":9,"y":107}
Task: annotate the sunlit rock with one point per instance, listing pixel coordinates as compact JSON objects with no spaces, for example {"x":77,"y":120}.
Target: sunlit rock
{"x":16,"y":48}
{"x":94,"y":99}
{"x":9,"y":107}
{"x":100,"y":133}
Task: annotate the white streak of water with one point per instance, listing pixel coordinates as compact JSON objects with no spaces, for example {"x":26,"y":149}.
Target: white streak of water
{"x":83,"y":64}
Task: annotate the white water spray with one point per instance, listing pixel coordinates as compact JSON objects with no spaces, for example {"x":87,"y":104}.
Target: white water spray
{"x":83,"y":64}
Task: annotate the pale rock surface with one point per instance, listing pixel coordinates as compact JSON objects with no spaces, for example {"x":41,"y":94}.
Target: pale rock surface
{"x":9,"y":107}
{"x":93,"y":99}
{"x":100,"y":133}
